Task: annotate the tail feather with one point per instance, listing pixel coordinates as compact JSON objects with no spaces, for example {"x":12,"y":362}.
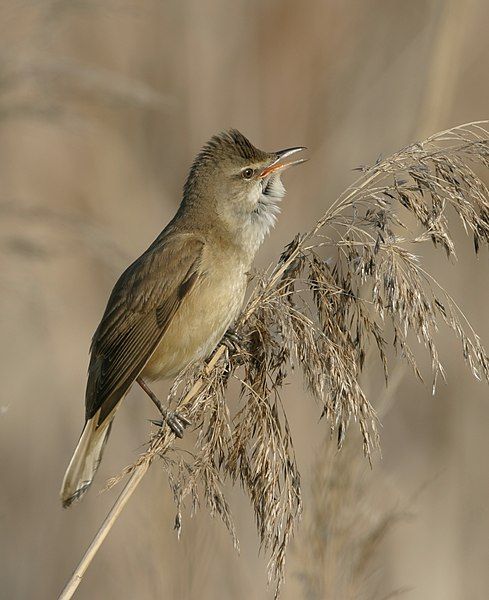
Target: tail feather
{"x":86,"y":459}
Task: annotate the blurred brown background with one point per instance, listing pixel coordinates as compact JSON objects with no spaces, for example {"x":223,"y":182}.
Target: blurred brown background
{"x":102,"y":107}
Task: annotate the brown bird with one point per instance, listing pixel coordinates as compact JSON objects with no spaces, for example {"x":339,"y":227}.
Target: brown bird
{"x":176,"y":301}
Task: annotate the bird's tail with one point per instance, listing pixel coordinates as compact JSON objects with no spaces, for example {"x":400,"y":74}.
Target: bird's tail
{"x":86,"y":459}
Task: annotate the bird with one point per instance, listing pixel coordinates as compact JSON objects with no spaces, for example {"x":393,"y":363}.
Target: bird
{"x":173,"y":304}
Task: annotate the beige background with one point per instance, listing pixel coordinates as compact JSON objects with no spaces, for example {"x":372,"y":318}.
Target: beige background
{"x":102,"y":107}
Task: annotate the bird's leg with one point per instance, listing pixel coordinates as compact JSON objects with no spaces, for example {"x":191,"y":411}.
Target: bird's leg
{"x":175,"y":421}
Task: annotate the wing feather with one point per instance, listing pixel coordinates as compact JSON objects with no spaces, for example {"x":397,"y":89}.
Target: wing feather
{"x":139,"y":311}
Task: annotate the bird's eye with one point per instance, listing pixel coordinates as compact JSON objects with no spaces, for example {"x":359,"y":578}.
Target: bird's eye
{"x":247,"y":173}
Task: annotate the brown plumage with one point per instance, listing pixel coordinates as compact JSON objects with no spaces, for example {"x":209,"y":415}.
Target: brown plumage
{"x":176,"y":301}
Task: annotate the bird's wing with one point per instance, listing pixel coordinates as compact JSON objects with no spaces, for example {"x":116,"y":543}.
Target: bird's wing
{"x":138,"y":313}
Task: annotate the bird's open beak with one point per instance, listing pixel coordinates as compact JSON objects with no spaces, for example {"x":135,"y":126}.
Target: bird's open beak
{"x":280,"y":164}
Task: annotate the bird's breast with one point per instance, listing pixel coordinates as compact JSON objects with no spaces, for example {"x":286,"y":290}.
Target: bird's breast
{"x":201,"y":320}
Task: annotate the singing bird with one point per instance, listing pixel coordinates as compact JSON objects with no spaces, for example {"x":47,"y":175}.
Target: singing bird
{"x":174,"y":304}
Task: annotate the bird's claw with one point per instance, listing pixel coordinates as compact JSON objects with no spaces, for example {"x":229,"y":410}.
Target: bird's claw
{"x":232,"y":340}
{"x":175,"y":421}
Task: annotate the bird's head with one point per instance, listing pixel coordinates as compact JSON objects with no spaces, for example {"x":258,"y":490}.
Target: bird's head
{"x":238,"y":185}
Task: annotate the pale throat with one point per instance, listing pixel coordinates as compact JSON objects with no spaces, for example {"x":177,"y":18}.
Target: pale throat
{"x":249,"y":218}
{"x":265,"y":209}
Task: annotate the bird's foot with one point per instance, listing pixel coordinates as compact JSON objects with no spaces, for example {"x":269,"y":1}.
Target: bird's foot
{"x":175,"y":421}
{"x":233,"y":341}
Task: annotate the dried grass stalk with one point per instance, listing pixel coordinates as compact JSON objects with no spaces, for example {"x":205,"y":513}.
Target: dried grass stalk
{"x":353,"y":282}
{"x":347,"y":519}
{"x":346,"y":523}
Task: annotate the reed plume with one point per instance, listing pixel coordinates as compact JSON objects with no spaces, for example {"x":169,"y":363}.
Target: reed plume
{"x":353,"y":283}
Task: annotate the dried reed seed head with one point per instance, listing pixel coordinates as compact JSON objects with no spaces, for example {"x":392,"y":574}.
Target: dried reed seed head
{"x":350,"y":284}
